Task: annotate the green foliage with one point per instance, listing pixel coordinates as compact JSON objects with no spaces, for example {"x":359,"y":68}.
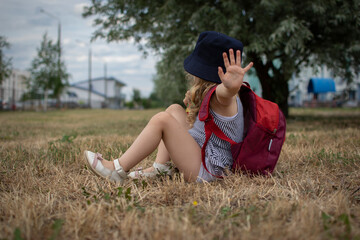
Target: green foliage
{"x":56,"y":227}
{"x":116,"y":197}
{"x":154,"y":101}
{"x":5,"y":63}
{"x":293,"y":33}
{"x":68,"y":138}
{"x":136,"y":97}
{"x":331,"y":222}
{"x":137,"y":101}
{"x":46,"y":72}
{"x":170,"y":86}
{"x":333,"y":157}
{"x":17,"y":234}
{"x":60,"y":150}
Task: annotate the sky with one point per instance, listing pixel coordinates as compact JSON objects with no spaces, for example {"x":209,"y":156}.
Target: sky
{"x":23,"y":24}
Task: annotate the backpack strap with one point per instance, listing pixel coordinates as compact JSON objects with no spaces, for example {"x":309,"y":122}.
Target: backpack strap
{"x":210,"y":126}
{"x":205,"y":105}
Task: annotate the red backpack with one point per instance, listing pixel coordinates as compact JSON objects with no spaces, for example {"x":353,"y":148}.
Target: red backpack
{"x":264,"y":133}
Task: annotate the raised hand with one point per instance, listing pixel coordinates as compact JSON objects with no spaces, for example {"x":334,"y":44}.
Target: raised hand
{"x":233,"y":78}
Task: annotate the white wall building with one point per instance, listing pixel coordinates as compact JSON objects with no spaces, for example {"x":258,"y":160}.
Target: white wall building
{"x":12,"y":89}
{"x":104,"y":93}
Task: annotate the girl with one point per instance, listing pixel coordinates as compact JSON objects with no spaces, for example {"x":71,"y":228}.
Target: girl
{"x":179,"y":136}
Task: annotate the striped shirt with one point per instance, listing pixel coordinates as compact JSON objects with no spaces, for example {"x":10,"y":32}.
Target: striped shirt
{"x":218,"y":152}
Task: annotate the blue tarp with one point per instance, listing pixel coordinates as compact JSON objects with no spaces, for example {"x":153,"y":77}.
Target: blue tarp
{"x":321,"y":85}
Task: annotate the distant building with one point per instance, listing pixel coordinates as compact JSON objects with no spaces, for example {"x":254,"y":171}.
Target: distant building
{"x":308,"y":88}
{"x":105,"y":93}
{"x":303,"y":93}
{"x":12,"y":89}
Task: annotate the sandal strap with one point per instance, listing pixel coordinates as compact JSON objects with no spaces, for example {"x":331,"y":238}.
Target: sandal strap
{"x":162,"y":168}
{"x":97,"y":157}
{"x":119,"y":169}
{"x":139,"y":172}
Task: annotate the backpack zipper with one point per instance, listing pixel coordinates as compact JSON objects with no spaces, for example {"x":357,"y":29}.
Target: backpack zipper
{"x":271,"y":139}
{"x":270,"y":144}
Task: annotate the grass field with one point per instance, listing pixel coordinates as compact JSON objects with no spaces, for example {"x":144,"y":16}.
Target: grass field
{"x":46,"y":191}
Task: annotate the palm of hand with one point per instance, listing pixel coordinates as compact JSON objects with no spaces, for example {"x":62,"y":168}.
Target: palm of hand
{"x":233,"y":78}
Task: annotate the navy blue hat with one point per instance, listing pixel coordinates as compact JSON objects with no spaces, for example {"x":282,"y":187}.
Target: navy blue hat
{"x":207,"y":55}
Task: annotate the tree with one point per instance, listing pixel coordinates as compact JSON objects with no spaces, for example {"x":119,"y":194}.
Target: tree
{"x":46,"y":74}
{"x":5,"y":63}
{"x":170,"y":87}
{"x":280,"y":37}
{"x":136,"y":97}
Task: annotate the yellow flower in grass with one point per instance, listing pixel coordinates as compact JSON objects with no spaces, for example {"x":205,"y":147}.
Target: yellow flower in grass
{"x":195,"y":203}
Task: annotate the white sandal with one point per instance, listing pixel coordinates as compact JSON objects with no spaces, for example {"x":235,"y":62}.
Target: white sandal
{"x":93,"y":161}
{"x":159,"y":170}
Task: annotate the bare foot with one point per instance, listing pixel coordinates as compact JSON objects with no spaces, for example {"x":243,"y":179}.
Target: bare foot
{"x":108,"y":164}
{"x":149,"y":169}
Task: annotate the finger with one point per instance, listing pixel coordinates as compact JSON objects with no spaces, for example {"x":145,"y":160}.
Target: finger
{"x":220,"y":73}
{"x":248,"y":66}
{"x":226,"y":60}
{"x":232,"y":57}
{"x":238,"y":58}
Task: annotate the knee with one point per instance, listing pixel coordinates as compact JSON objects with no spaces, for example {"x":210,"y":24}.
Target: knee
{"x":161,"y":118}
{"x":174,"y":108}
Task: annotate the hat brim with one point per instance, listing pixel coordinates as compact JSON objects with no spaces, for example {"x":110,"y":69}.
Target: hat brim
{"x":205,"y":72}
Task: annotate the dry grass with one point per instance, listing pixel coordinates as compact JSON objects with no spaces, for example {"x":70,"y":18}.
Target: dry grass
{"x":46,"y":192}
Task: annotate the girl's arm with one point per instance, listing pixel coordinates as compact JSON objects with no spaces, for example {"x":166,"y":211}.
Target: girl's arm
{"x":223,"y":101}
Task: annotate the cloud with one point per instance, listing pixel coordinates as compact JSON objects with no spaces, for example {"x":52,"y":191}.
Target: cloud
{"x":66,"y":41}
{"x":120,"y":59}
{"x":79,"y":8}
{"x":22,"y":23}
{"x":130,"y":71}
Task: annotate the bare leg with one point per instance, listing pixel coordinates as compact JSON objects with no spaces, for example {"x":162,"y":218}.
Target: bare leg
{"x":181,"y":147}
{"x":163,"y":155}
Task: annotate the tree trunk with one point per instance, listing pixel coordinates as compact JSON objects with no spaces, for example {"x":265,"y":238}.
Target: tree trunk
{"x":58,"y":102}
{"x":45,"y":100}
{"x":283,"y":101}
{"x":276,"y":90}
{"x":275,"y":87}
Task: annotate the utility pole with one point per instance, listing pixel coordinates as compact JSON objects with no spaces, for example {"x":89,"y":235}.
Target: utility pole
{"x":90,"y":85}
{"x":59,"y":59}
{"x":13,"y":106}
{"x":106,"y":84}
{"x":89,"y":71}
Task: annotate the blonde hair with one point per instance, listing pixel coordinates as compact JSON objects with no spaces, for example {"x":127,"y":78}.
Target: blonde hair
{"x":199,"y":88}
